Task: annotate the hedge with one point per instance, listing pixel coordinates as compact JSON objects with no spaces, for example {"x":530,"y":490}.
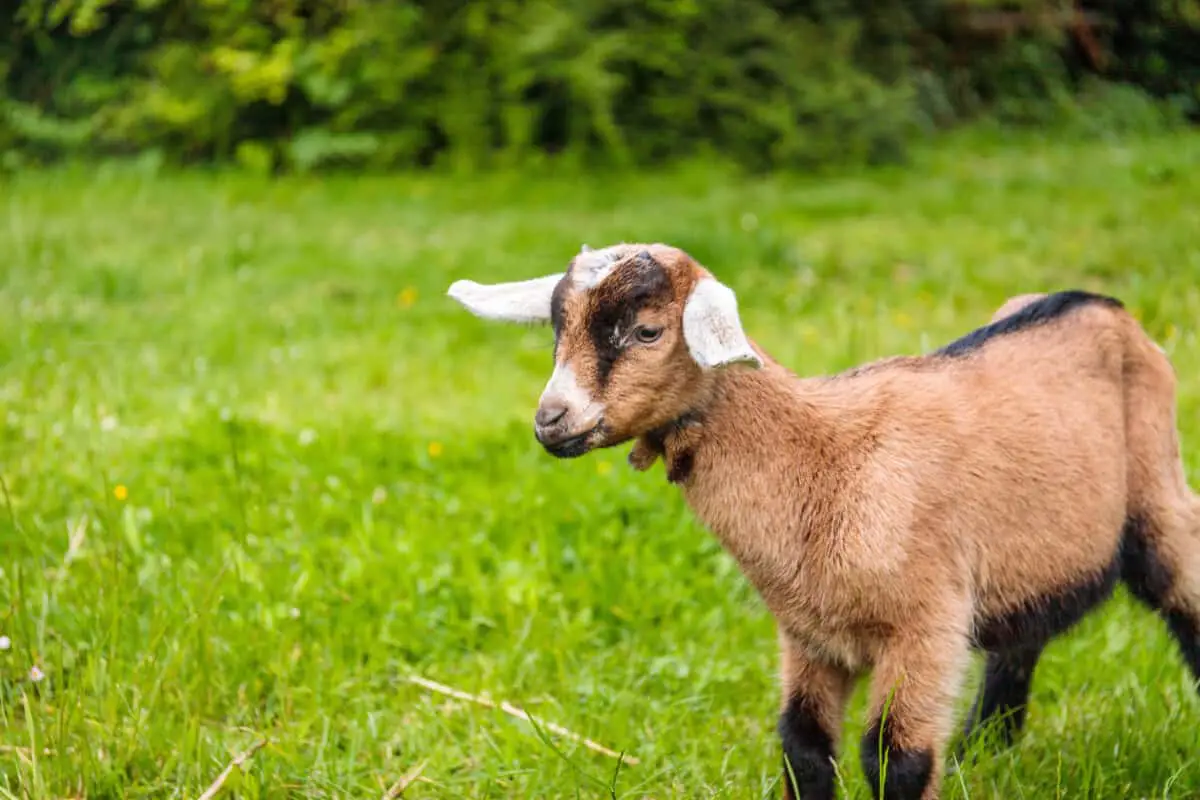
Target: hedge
{"x":300,"y":84}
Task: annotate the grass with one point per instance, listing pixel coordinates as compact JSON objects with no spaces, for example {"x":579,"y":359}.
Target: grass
{"x":257,"y":470}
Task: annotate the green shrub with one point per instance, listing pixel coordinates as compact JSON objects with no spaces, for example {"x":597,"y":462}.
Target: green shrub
{"x":305,"y":84}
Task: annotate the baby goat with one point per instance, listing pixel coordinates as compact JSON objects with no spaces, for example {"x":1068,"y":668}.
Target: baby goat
{"x":896,"y":516}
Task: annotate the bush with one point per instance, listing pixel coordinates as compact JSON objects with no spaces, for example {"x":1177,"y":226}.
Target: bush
{"x":1156,"y":45}
{"x":305,"y":84}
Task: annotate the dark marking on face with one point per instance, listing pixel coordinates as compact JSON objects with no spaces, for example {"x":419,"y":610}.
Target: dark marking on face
{"x":1039,"y":312}
{"x":905,"y":773}
{"x":1150,"y":580}
{"x":557,"y":300}
{"x":1004,"y":695}
{"x":640,"y":282}
{"x":1038,"y":620}
{"x":807,"y":751}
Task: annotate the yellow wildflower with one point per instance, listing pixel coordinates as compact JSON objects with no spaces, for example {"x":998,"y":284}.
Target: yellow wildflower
{"x":120,"y":492}
{"x":407,"y":297}
{"x":435,"y":449}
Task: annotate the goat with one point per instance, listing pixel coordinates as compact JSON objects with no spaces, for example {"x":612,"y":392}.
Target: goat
{"x":895,"y":517}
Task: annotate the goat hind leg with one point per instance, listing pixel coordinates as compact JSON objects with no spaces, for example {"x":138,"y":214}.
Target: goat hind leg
{"x":1004,"y":695}
{"x":1160,"y":548}
{"x":1161,"y":567}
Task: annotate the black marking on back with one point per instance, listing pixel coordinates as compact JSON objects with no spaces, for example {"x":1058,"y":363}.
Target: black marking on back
{"x":906,"y":773}
{"x":1039,"y":312}
{"x":1038,"y":620}
{"x":617,"y":301}
{"x":807,"y":751}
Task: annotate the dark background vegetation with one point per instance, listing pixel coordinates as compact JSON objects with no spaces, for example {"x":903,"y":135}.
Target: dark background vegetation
{"x":303,"y":84}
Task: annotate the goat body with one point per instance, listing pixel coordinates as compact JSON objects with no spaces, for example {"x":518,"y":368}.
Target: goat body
{"x":899,"y":515}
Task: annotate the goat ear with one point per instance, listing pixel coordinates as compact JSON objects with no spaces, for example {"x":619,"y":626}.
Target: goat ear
{"x":712,"y":329}
{"x":518,"y":301}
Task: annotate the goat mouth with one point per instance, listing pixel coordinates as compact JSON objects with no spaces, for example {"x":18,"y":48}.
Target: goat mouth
{"x":572,"y":447}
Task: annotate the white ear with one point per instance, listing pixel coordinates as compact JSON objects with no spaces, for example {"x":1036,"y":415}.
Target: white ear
{"x":519,"y":301}
{"x":712,"y":329}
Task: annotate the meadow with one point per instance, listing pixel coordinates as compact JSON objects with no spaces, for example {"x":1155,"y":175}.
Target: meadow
{"x":258,"y":471}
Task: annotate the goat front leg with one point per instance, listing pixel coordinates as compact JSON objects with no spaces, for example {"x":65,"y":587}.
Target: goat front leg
{"x":915,"y":682}
{"x":810,"y":721}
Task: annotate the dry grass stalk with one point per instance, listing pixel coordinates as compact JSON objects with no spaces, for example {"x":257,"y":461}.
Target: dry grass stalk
{"x":509,"y":708}
{"x":406,"y":780}
{"x":240,"y":759}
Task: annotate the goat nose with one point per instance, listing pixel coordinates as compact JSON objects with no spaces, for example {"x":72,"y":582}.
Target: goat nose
{"x":550,"y":413}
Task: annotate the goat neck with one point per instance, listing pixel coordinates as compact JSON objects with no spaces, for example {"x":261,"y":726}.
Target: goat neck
{"x":759,"y":462}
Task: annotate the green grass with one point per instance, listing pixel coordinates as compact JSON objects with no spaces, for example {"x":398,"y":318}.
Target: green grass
{"x":296,"y":473}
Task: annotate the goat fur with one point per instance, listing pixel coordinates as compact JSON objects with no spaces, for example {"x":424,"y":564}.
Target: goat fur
{"x":900,"y":515}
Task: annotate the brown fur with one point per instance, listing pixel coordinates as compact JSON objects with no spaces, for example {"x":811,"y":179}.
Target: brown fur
{"x":883,"y":512}
{"x":649,"y":386}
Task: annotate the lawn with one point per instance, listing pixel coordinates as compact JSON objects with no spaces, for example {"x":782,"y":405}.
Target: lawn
{"x":258,"y":471}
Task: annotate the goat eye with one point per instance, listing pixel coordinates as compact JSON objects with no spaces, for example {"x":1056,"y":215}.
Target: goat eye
{"x":648,"y":335}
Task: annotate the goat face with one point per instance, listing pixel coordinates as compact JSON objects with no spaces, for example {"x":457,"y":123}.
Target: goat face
{"x":637,"y":331}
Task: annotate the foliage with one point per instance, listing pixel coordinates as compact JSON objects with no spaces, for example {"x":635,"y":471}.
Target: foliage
{"x":257,"y":468}
{"x":1156,"y":44}
{"x":301,"y":84}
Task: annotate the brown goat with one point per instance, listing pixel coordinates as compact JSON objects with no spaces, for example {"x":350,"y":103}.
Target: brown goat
{"x":897,"y":516}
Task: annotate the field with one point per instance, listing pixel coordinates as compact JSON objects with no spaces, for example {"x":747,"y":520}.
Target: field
{"x":258,"y":471}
